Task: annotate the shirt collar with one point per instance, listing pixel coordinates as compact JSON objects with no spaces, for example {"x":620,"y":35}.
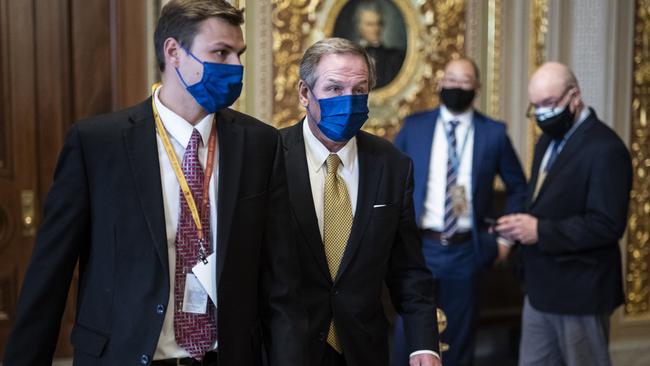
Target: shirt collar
{"x":464,"y":119}
{"x":180,"y":129}
{"x":584,"y":114}
{"x":317,"y":153}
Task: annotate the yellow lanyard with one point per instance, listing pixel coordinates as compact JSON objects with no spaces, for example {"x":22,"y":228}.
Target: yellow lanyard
{"x":178,"y":171}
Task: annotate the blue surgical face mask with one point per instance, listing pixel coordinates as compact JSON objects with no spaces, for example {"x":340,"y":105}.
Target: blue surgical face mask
{"x":219,"y":87}
{"x":343,"y":116}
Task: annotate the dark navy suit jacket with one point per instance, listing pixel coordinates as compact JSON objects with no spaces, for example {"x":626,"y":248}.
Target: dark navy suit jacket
{"x":493,"y":155}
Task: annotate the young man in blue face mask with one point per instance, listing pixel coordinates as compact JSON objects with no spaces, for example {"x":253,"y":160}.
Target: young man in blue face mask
{"x":457,"y":153}
{"x":576,"y":212}
{"x":176,"y":210}
{"x":352,"y":209}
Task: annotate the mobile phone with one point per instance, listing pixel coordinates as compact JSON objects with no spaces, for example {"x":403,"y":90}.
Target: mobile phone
{"x":490,"y":221}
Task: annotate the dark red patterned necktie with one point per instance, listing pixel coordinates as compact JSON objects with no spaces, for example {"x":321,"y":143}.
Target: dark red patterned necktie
{"x":196,"y":333}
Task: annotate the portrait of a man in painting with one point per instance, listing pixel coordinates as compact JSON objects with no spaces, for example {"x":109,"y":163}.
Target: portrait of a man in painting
{"x":378,"y":26}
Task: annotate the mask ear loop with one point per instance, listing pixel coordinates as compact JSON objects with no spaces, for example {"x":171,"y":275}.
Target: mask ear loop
{"x":307,"y":106}
{"x":179,"y":73}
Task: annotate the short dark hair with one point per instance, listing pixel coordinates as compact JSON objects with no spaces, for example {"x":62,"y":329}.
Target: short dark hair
{"x":180,"y":20}
{"x":328,"y":46}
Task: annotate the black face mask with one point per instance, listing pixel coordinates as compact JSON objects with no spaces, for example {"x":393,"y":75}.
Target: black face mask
{"x":457,"y":100}
{"x":558,"y":125}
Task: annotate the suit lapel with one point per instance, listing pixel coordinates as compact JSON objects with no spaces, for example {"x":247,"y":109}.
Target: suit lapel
{"x":540,"y":149}
{"x":142,"y":150}
{"x":231,"y":150}
{"x":370,"y":170}
{"x":422,"y":157}
{"x":301,"y":196}
{"x":567,"y":152}
{"x":480,"y":137}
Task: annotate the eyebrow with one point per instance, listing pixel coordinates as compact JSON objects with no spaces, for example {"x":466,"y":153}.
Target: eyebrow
{"x":549,"y":100}
{"x":363,"y":82}
{"x":333,"y":81}
{"x":231,"y":48}
{"x":459,"y":78}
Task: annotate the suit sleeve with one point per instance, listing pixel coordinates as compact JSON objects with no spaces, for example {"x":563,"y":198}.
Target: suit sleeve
{"x":64,"y":230}
{"x":512,"y":175}
{"x":409,"y":281}
{"x":283,"y":316}
{"x":605,"y":216}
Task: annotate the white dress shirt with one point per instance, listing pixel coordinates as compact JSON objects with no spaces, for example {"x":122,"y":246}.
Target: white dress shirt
{"x":433,"y":217}
{"x":348,"y":170}
{"x":180,"y":131}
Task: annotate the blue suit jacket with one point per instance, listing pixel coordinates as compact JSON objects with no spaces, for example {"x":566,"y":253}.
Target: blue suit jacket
{"x":493,"y":154}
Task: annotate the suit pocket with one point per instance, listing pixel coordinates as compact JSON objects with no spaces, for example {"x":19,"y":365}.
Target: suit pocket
{"x":382,"y":212}
{"x":88,"y":341}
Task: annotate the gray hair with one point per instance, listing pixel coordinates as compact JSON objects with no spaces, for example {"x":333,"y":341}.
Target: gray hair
{"x":329,"y":46}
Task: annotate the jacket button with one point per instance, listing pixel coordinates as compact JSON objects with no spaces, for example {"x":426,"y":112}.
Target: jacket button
{"x":321,"y":336}
{"x":160,"y":309}
{"x":144,"y":360}
{"x":336,"y":292}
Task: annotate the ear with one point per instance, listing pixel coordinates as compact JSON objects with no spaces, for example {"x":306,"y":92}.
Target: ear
{"x":477,"y":90}
{"x":303,"y":93}
{"x":172,"y":51}
{"x":578,"y":96}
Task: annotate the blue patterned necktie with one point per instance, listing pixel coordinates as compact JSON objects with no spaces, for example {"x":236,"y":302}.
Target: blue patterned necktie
{"x":451,"y":219}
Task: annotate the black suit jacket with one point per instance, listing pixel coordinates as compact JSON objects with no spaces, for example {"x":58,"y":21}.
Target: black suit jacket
{"x":575,"y":268}
{"x":383,"y":248}
{"x":105,"y":210}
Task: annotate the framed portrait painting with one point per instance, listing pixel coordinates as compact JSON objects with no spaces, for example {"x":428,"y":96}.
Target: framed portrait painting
{"x":409,"y":41}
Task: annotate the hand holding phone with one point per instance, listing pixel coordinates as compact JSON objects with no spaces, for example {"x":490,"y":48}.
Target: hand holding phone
{"x":490,"y":221}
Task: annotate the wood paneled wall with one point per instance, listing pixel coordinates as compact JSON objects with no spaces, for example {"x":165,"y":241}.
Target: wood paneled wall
{"x":60,"y":61}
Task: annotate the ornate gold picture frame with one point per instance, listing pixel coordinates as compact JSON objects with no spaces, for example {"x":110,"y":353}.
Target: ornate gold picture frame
{"x":434,"y":34}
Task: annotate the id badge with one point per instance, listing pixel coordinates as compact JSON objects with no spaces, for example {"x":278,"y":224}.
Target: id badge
{"x":195,"y":299}
{"x":206,"y":275}
{"x":458,"y":200}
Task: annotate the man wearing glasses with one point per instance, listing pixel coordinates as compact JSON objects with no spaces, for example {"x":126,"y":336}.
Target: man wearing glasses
{"x":577,"y":211}
{"x":457,"y":152}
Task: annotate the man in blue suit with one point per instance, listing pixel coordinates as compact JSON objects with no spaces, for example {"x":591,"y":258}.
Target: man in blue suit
{"x":457,"y":152}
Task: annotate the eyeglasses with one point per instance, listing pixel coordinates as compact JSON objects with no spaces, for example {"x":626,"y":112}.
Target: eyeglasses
{"x":530,"y":111}
{"x":462,"y":83}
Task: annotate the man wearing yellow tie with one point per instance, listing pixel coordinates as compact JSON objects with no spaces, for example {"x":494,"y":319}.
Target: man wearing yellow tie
{"x":351,"y":200}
